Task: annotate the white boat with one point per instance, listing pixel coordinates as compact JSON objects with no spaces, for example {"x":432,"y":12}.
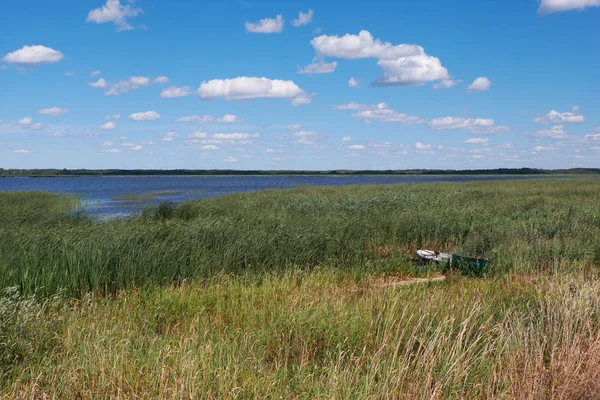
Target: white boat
{"x":435,"y":256}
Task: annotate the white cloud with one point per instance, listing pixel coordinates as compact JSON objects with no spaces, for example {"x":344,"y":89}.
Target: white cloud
{"x":346,"y":139}
{"x":95,"y":73}
{"x":168,"y":137}
{"x":304,"y":18}
{"x":114,"y":11}
{"x":36,"y":54}
{"x":412,"y":71}
{"x":353,"y":83}
{"x":173,"y":92}
{"x":25,"y":121}
{"x":54,"y":111}
{"x":22,"y":151}
{"x":318,"y":68}
{"x":266,"y":25}
{"x":162,"y":80}
{"x":198,"y":135}
{"x":110,"y":150}
{"x":352,"y":47}
{"x":481,"y":84}
{"x":294,"y":127}
{"x":544,"y":148}
{"x":553,"y":6}
{"x":403,"y":65}
{"x":230,"y":160}
{"x":592,"y":137}
{"x":56,"y":135}
{"x":555,"y":117}
{"x":145,"y":116}
{"x":132,"y":83}
{"x":209,"y":147}
{"x":474,"y":125}
{"x":445,"y":84}
{"x":209,"y":119}
{"x":137,"y":147}
{"x":247,"y":88}
{"x":382,"y":113}
{"x":349,"y":106}
{"x":69,"y":73}
{"x":28,"y":124}
{"x":356,"y":147}
{"x":555,"y":132}
{"x":300,"y":100}
{"x":308,"y":138}
{"x":99,"y":84}
{"x":477,"y":141}
{"x":108,"y":126}
{"x":422,"y":146}
{"x":233,"y":136}
{"x":117,"y":116}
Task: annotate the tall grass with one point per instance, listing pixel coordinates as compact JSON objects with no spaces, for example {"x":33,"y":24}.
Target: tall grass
{"x":324,"y":334}
{"x":521,"y":226}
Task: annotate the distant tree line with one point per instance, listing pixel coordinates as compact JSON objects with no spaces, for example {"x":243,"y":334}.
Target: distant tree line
{"x":190,"y":172}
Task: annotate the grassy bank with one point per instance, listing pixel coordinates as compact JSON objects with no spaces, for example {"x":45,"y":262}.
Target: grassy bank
{"x":290,"y":294}
{"x":522,"y":226}
{"x":324,"y":334}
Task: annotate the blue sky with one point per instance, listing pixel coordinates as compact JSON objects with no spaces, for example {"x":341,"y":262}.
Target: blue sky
{"x":249,"y":84}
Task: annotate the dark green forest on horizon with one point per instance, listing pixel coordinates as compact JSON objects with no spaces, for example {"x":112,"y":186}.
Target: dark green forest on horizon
{"x":192,"y":172}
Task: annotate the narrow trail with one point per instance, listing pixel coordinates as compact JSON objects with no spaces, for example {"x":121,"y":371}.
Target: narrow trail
{"x":410,"y":281}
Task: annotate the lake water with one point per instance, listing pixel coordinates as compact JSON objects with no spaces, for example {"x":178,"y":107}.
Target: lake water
{"x":104,"y":195}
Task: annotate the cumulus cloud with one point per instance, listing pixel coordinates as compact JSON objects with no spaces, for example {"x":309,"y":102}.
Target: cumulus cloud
{"x":31,"y":55}
{"x":353,"y":83}
{"x":346,"y":139}
{"x":108,"y":126}
{"x":553,"y":6}
{"x":162,"y":80}
{"x":477,"y":141}
{"x":266,"y":25}
{"x":56,"y":135}
{"x":209,"y":119}
{"x":472,"y":125}
{"x":382,"y":113}
{"x":294,"y":127}
{"x":318,"y":68}
{"x":349,"y":106}
{"x":168,"y":137}
{"x":422,"y":146}
{"x":114,"y":11}
{"x":555,"y":132}
{"x":145,"y":116}
{"x":446,"y":84}
{"x":173,"y":92}
{"x":363,"y":45}
{"x":356,"y":147}
{"x":481,"y":84}
{"x":247,"y":88}
{"x":403,"y":65}
{"x":412,"y":71}
{"x":99,"y":84}
{"x":304,"y":18}
{"x":230,"y":160}
{"x":53,"y":112}
{"x":95,"y":73}
{"x":25,"y":121}
{"x":22,"y":151}
{"x":555,"y":117}
{"x":545,"y":148}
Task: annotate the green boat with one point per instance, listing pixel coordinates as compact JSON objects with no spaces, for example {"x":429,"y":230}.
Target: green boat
{"x":475,"y":266}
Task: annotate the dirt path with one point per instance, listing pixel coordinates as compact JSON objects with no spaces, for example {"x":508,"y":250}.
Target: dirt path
{"x":410,"y":281}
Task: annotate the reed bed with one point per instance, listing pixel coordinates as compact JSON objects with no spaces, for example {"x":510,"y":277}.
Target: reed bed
{"x":325,"y":334}
{"x":289,"y":294}
{"x":521,"y":226}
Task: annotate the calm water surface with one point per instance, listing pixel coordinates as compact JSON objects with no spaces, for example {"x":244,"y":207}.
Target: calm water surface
{"x":101,"y":194}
